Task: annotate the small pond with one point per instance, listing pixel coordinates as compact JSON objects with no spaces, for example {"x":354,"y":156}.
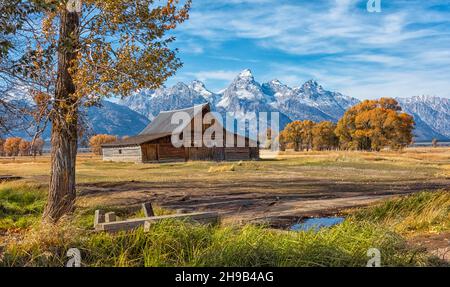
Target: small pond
{"x":317,"y":223}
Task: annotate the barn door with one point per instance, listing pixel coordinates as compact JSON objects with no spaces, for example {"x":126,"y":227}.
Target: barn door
{"x":149,"y":153}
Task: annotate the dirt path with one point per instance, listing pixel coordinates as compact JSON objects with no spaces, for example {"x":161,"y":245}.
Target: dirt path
{"x":252,"y":200}
{"x":436,"y":244}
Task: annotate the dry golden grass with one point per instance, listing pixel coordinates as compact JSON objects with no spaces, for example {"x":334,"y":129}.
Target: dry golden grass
{"x":310,"y":173}
{"x":411,"y":164}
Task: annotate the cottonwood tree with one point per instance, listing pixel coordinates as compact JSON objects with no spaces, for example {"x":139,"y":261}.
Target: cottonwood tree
{"x":375,"y":124}
{"x":12,"y":146}
{"x":307,"y":134}
{"x":97,"y":141}
{"x":293,"y":133}
{"x":324,"y":137}
{"x":25,"y":148}
{"x":299,"y":133}
{"x":71,"y":58}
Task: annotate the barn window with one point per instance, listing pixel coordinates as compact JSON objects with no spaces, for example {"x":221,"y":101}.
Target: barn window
{"x":120,"y":151}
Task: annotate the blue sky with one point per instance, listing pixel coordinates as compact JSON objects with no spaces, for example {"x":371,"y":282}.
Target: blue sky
{"x":403,"y":51}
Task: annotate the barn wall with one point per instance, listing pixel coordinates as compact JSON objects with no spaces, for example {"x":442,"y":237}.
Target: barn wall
{"x":254,"y":153}
{"x":123,"y":154}
{"x":167,"y":152}
{"x":239,"y":153}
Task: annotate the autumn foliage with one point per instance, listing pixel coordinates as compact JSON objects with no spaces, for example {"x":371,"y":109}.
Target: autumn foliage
{"x":11,"y":146}
{"x":370,"y":126}
{"x":324,"y":137}
{"x":375,"y":124}
{"x":16,"y":146}
{"x":97,"y":141}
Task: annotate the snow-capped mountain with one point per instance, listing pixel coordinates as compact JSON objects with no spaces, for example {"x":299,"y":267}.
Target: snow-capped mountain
{"x":308,"y":101}
{"x":245,"y":98}
{"x":107,"y":118}
{"x":245,"y":95}
{"x":311,"y":101}
{"x":432,"y":116}
{"x":150,"y":103}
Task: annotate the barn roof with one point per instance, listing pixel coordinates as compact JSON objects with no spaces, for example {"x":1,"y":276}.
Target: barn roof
{"x":136,"y":140}
{"x":160,"y":127}
{"x":163,"y":122}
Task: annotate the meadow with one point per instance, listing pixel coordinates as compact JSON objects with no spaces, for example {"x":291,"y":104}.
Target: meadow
{"x":393,"y":201}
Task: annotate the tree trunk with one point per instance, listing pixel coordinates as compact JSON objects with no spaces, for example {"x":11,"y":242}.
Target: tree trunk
{"x":64,"y":140}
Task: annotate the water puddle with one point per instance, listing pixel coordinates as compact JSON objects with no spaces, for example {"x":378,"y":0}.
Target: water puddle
{"x":317,"y":223}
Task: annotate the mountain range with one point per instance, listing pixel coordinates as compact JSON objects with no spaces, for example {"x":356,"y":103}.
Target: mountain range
{"x":243,"y":96}
{"x":105,"y":118}
{"x":308,"y":101}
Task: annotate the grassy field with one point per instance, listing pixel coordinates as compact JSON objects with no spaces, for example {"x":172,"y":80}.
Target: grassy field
{"x":293,"y":185}
{"x":415,"y":163}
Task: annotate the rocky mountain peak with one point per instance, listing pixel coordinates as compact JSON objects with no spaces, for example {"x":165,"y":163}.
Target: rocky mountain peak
{"x":312,"y":89}
{"x":246,"y":74}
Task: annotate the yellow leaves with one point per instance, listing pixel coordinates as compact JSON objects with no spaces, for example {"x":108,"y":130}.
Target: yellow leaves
{"x":374,"y":124}
{"x":48,"y":26}
{"x":299,"y":133}
{"x":11,"y":146}
{"x":97,"y":141}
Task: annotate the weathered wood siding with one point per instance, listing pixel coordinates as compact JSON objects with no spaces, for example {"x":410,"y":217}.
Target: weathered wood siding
{"x":240,"y":153}
{"x":123,"y":154}
{"x":167,"y":152}
{"x":204,"y":153}
{"x":150,"y":152}
{"x":254,"y":153}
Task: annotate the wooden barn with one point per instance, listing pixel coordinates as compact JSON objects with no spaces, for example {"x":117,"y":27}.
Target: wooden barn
{"x":154,"y":143}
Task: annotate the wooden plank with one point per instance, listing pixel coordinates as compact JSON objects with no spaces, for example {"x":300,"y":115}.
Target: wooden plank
{"x":202,"y":217}
{"x":99,"y":217}
{"x":110,"y":217}
{"x":148,"y":209}
{"x":121,"y":225}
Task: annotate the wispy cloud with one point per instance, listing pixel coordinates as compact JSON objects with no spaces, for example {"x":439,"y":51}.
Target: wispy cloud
{"x":337,"y":41}
{"x":214,"y":75}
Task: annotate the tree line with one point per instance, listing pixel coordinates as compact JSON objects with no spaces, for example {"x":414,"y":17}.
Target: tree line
{"x":368,"y":126}
{"x":16,"y":146}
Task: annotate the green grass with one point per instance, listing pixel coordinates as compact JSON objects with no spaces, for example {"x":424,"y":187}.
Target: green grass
{"x":421,"y":212}
{"x":21,"y":204}
{"x":175,"y":243}
{"x":182,"y":244}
